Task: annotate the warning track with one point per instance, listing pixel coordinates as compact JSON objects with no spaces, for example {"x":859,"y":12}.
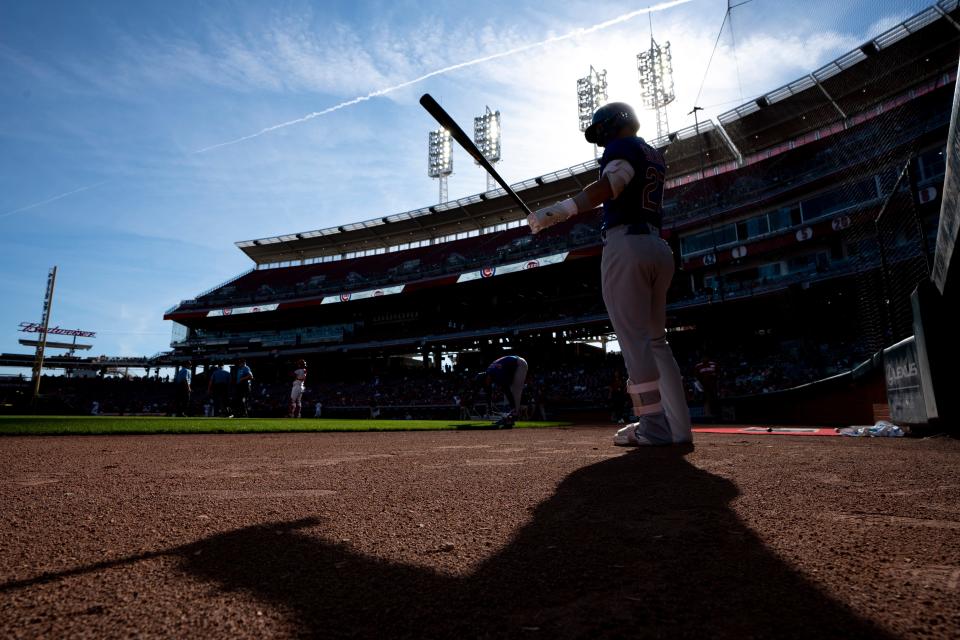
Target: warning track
{"x":531,"y":533}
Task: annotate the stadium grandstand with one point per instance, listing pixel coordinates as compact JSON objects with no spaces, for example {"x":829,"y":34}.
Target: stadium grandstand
{"x":800,"y":220}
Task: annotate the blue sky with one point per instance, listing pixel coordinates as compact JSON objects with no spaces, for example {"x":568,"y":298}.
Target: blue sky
{"x":105,"y":105}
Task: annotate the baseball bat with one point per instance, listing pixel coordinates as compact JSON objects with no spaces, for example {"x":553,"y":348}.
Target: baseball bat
{"x":448,"y":123}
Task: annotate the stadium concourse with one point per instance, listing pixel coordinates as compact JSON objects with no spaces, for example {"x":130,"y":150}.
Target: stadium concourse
{"x":797,"y":235}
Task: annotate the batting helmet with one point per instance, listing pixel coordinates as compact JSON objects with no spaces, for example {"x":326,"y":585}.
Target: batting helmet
{"x":608,"y":120}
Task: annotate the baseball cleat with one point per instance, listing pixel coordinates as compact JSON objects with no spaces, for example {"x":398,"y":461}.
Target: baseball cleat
{"x":651,"y":430}
{"x":626,"y":437}
{"x":505,"y":422}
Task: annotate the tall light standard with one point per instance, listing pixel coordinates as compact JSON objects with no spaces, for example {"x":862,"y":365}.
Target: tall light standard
{"x":655,"y":67}
{"x":42,"y":342}
{"x":591,"y":94}
{"x":440,"y":159}
{"x":486,"y":135}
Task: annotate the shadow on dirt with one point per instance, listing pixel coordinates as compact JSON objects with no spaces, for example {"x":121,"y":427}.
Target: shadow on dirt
{"x":639,"y":545}
{"x":489,"y":426}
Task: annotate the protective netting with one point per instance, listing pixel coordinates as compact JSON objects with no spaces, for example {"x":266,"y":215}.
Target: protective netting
{"x":832,"y":214}
{"x":899,"y":260}
{"x":889,"y":248}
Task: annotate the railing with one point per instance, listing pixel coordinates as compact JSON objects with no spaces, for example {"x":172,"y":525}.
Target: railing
{"x":226,"y":283}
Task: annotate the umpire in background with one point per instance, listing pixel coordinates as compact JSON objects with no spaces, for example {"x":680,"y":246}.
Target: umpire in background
{"x":241,"y":394}
{"x":635,"y":273}
{"x":219,"y":390}
{"x":182,"y":389}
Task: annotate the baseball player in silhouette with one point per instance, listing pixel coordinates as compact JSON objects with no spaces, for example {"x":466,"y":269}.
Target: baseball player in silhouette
{"x":296,"y":391}
{"x":635,"y":272}
{"x":509,"y":373}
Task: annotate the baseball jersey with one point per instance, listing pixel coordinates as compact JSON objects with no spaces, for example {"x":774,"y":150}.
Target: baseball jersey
{"x":242,"y":372}
{"x":220,"y":376}
{"x":641,"y":199}
{"x":502,"y":370}
{"x":183,"y":376}
{"x":299,"y":376}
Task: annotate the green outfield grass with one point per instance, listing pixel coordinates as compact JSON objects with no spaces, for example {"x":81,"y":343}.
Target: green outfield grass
{"x":110,"y":425}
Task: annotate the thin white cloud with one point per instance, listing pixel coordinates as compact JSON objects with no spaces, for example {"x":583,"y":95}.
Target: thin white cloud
{"x":53,"y":199}
{"x":450,"y":68}
{"x":887,"y":22}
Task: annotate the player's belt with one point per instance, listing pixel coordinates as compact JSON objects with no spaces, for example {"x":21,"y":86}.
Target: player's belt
{"x":633,"y":229}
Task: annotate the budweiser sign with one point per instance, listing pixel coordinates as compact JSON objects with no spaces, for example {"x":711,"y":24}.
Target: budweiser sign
{"x":33,"y":327}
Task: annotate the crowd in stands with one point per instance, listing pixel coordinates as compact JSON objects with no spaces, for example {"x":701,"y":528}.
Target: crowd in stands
{"x":747,"y":371}
{"x":147,"y":394}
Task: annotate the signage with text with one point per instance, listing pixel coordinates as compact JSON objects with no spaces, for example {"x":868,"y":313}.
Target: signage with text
{"x":36,"y":327}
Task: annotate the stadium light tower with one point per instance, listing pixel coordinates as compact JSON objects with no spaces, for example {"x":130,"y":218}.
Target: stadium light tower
{"x":591,"y":94}
{"x":655,"y":67}
{"x":440,"y":159}
{"x":486,"y":135}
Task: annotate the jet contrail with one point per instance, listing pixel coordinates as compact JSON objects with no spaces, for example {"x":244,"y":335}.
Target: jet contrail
{"x":53,"y":199}
{"x":379,"y":92}
{"x":469,"y":63}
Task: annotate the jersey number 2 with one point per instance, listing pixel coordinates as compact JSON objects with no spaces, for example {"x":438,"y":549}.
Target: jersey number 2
{"x":653,"y":182}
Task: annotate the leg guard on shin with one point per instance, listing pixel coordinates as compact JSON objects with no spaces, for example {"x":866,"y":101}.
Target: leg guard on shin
{"x":647,"y":406}
{"x":645,"y":397}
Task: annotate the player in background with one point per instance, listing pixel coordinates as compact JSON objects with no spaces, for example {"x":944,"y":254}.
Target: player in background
{"x":707,"y":374}
{"x":509,"y":373}
{"x":296,"y":392}
{"x":635,"y":272}
{"x":182,"y":390}
{"x":243,"y":377}
{"x":218,"y":389}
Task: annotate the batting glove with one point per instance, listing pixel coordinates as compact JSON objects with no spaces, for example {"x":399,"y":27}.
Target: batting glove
{"x":549,"y":216}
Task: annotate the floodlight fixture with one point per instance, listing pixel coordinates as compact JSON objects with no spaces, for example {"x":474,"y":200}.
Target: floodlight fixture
{"x":440,"y":159}
{"x":655,"y":67}
{"x":486,"y":135}
{"x":591,"y":95}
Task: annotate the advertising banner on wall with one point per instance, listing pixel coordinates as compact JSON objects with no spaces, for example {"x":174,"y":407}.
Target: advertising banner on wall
{"x":533,"y":263}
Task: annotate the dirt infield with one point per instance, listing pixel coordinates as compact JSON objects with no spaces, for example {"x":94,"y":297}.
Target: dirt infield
{"x":525,"y":533}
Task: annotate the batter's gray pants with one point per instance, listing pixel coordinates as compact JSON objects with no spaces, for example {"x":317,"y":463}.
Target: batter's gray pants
{"x":635,"y":274}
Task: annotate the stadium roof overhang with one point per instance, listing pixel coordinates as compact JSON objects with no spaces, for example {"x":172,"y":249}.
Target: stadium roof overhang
{"x":916,"y":50}
{"x":472,"y":213}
